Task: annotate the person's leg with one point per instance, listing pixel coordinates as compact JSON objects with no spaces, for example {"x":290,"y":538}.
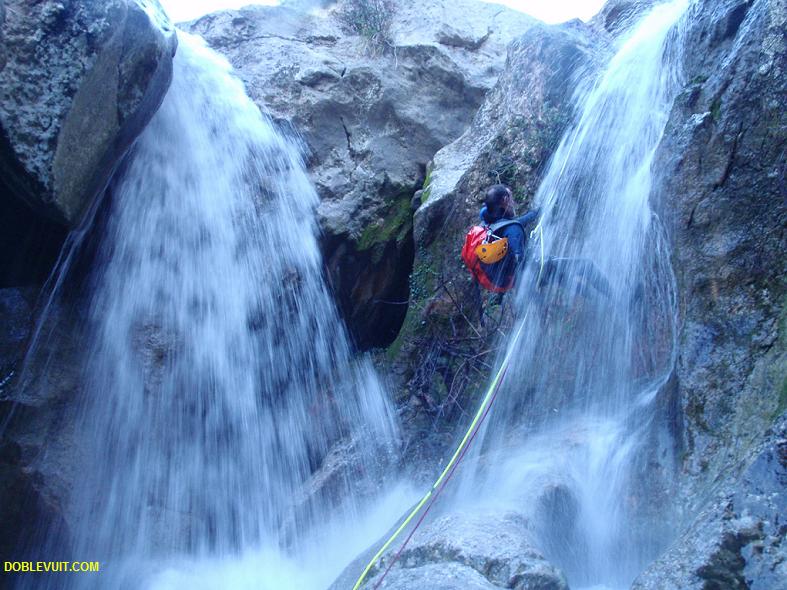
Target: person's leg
{"x":591,"y":275}
{"x":558,"y":271}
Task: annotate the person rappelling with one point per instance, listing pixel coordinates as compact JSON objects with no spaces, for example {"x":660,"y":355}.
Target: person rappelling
{"x":494,"y":252}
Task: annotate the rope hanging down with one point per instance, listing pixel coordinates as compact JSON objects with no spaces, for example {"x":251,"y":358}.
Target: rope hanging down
{"x":438,"y":485}
{"x":540,"y":230}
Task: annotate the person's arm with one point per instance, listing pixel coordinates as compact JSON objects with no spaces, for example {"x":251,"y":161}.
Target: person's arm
{"x":516,"y":243}
{"x":529,"y":217}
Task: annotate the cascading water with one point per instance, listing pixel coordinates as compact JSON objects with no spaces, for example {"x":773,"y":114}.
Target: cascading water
{"x":217,"y":374}
{"x":567,"y":439}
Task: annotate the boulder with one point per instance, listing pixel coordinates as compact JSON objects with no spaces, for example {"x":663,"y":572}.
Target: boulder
{"x":371,"y":117}
{"x":443,"y":576}
{"x":484,"y":550}
{"x":617,"y":15}
{"x":79,"y":80}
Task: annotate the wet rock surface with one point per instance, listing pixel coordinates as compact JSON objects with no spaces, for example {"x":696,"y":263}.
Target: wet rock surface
{"x":484,"y":550}
{"x":723,"y":199}
{"x":79,"y":81}
{"x":16,"y":309}
{"x":737,"y":539}
{"x":371,"y":118}
{"x":722,"y":196}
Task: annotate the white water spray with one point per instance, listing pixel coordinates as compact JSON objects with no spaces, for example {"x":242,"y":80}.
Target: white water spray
{"x":568,"y":439}
{"x":217,"y":374}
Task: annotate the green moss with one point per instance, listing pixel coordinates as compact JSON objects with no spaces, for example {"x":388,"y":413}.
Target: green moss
{"x":423,"y":278}
{"x":395,"y":225}
{"x":782,"y":407}
{"x":780,"y":368}
{"x":423,"y":284}
{"x":427,"y":188}
{"x":715,"y":109}
{"x":393,"y":350}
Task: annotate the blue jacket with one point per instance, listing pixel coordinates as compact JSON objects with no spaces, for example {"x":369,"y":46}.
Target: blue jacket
{"x":500,"y":273}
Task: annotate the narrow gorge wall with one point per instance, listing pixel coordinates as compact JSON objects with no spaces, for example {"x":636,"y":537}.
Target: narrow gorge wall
{"x":401,"y":142}
{"x":442,"y":355}
{"x":724,"y":163}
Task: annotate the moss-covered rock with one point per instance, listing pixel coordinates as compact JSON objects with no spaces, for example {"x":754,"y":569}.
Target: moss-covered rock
{"x":369,"y":273}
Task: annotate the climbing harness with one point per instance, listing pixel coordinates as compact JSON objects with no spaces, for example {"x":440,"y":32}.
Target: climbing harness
{"x":450,"y":468}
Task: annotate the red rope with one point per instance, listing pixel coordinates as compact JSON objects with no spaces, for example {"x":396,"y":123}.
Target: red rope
{"x":442,"y":486}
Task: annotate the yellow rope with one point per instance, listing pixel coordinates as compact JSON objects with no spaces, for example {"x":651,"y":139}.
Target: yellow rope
{"x":482,"y":408}
{"x":540,"y":229}
{"x":457,"y":453}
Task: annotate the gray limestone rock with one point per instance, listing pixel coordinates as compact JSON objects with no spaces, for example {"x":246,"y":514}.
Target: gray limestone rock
{"x":481,"y":551}
{"x":79,"y":80}
{"x":370,"y":120}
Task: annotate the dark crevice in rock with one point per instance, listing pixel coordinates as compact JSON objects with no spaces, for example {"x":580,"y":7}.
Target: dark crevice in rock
{"x":724,"y":570}
{"x":29,"y":243}
{"x":371,"y":286}
{"x":736,"y":18}
{"x":349,"y":136}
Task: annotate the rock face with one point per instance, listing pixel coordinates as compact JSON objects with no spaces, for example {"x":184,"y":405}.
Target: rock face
{"x":442,"y":352}
{"x":723,"y":196}
{"x":78,"y":82}
{"x":16,"y":309}
{"x":482,"y":551}
{"x":617,"y":15}
{"x":737,"y":539}
{"x":371,"y":119}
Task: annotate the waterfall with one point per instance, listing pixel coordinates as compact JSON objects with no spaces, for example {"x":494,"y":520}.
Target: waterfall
{"x":570,"y":439}
{"x":217,"y":375}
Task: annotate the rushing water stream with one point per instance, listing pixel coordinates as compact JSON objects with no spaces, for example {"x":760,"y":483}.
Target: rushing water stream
{"x":218,"y":374}
{"x":570,"y":438}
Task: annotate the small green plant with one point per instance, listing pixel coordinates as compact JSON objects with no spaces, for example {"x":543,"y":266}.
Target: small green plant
{"x":715,"y":109}
{"x":370,"y":19}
